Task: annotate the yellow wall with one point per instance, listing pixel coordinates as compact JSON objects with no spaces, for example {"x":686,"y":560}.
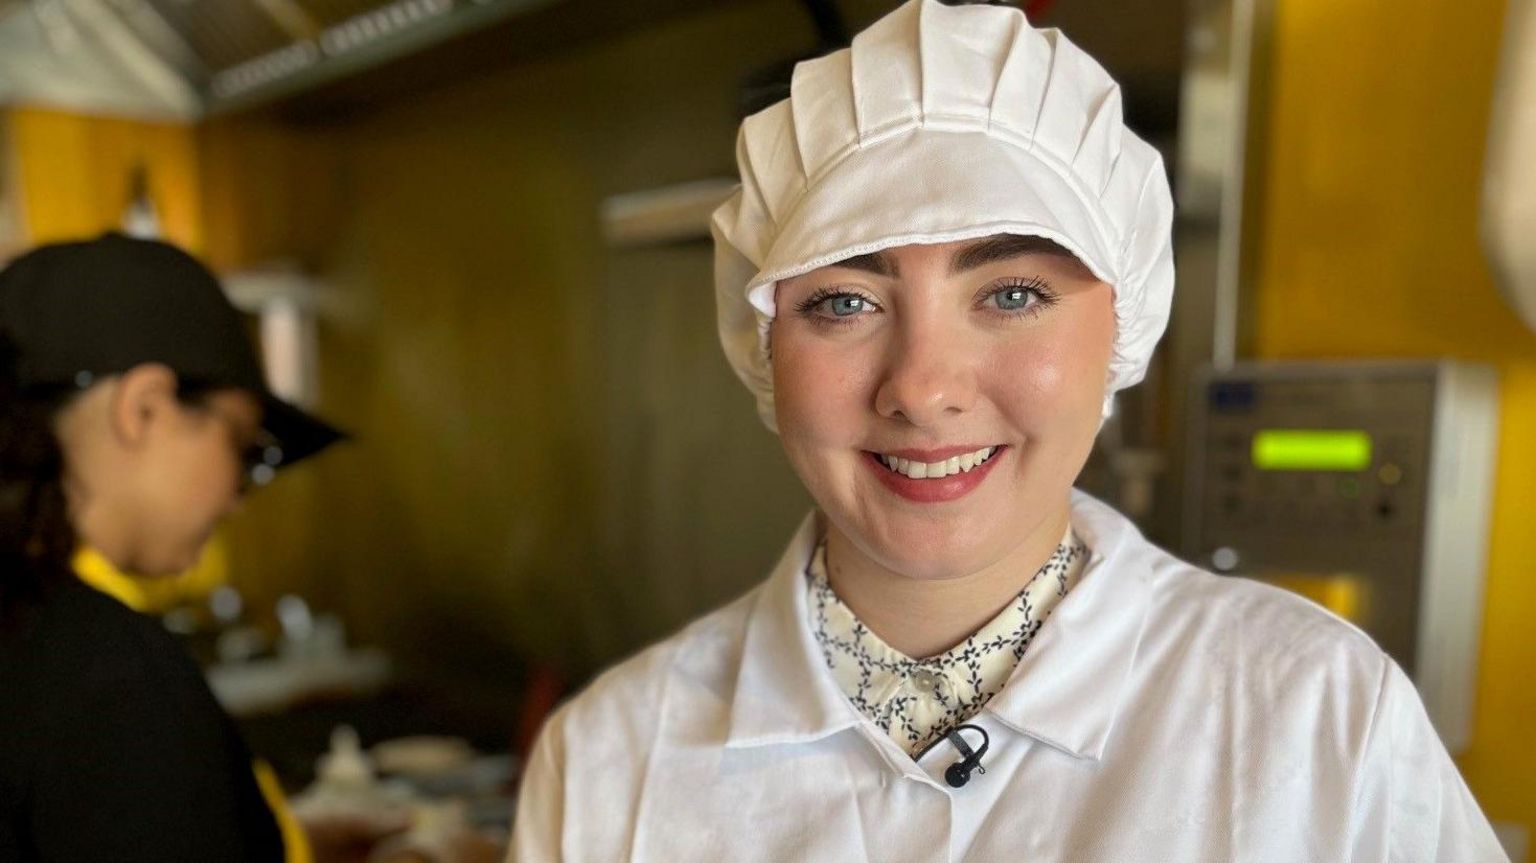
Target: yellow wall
{"x":542,"y":421}
{"x":75,"y":174}
{"x":1368,"y":247}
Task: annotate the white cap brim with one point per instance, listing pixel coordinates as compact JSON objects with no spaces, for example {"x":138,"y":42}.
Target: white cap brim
{"x":906,"y":193}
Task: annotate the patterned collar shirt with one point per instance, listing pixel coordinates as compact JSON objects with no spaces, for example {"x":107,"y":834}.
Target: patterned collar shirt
{"x":918,"y":701}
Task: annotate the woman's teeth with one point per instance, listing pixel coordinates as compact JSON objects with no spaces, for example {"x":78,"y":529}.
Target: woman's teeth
{"x":938,"y":469}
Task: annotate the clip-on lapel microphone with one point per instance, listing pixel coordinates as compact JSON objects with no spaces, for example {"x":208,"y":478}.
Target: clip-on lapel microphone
{"x":959,"y":773}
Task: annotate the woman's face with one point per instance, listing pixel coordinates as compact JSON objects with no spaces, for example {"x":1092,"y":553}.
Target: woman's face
{"x":191,"y":477}
{"x":938,"y":401}
{"x":152,"y":474}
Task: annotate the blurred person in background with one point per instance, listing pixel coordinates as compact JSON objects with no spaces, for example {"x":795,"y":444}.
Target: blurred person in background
{"x":133,"y":415}
{"x":946,"y":255}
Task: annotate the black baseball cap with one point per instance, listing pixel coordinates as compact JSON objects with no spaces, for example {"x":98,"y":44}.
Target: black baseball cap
{"x":78,"y":311}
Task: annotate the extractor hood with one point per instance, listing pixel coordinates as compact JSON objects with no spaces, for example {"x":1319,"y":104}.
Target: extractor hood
{"x":183,"y":59}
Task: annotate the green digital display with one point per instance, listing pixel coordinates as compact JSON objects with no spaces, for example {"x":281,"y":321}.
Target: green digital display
{"x":1312,"y":449}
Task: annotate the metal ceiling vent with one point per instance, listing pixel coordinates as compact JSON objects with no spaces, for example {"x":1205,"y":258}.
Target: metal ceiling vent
{"x":182,"y":59}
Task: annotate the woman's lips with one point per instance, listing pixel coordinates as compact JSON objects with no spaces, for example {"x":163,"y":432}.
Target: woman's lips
{"x":940,"y":490}
{"x":934,"y":455}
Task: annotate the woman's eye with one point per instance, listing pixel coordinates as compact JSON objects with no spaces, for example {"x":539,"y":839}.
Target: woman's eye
{"x":1012,"y":299}
{"x":1018,"y":297}
{"x":836,"y":306}
{"x":845,"y":305}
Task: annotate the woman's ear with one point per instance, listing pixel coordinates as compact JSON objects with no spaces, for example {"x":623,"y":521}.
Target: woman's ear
{"x":144,"y":396}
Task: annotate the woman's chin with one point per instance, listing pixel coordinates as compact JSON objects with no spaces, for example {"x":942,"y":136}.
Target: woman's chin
{"x":169,"y":563}
{"x":929,"y":553}
{"x":951,"y":546}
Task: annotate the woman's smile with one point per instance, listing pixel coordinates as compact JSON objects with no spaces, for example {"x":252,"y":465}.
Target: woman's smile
{"x":934,"y":476}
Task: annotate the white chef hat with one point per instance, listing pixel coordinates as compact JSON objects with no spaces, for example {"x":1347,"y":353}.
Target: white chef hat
{"x":944,"y":123}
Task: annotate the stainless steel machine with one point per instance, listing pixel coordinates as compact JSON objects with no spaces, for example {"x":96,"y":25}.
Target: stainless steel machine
{"x":1365,"y":486}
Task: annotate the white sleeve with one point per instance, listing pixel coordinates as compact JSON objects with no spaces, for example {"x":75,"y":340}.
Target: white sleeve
{"x":1411,"y":805}
{"x":539,"y":823}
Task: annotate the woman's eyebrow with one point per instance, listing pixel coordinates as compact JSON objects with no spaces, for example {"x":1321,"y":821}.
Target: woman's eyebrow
{"x":878,"y":263}
{"x":1002,"y":248}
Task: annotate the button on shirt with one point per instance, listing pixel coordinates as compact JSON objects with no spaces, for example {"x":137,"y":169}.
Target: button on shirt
{"x":1164,"y":714}
{"x":918,"y":701}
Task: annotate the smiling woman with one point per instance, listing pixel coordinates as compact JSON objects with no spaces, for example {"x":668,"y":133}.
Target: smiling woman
{"x":993,"y":352}
{"x":946,"y":256}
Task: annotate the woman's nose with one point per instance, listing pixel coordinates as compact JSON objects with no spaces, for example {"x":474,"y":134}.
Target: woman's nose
{"x":928,"y":377}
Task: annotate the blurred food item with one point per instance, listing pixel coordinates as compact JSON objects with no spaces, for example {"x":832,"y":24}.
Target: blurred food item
{"x":270,"y":685}
{"x":347,"y":811}
{"x":422,"y":755}
{"x":312,"y":662}
{"x":347,"y":789}
{"x":347,"y":839}
{"x":441,"y":834}
{"x":350,"y":814}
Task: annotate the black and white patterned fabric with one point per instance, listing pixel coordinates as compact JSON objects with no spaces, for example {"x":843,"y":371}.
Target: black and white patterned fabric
{"x":917,"y":701}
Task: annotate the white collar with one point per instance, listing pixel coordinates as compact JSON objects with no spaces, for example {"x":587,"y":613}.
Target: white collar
{"x":783,"y":691}
{"x":1066,"y":692}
